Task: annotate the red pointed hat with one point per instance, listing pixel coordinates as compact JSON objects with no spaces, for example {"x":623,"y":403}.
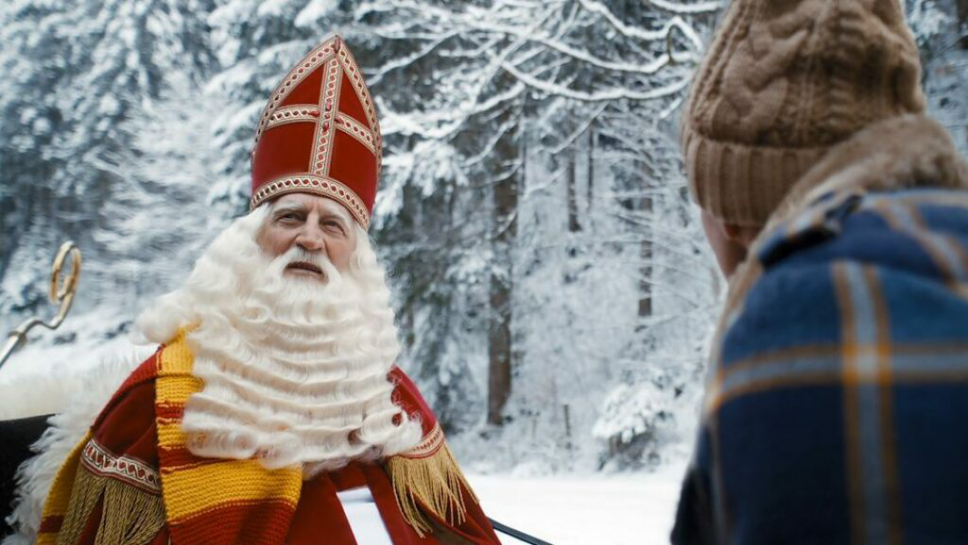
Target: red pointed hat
{"x":319,"y":134}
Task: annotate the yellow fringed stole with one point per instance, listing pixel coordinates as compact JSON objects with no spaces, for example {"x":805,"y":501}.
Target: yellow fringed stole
{"x":132,"y":509}
{"x":129,"y":516}
{"x":59,"y":497}
{"x":428,"y":476}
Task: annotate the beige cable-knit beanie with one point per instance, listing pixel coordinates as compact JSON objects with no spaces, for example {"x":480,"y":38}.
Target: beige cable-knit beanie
{"x":782,"y":82}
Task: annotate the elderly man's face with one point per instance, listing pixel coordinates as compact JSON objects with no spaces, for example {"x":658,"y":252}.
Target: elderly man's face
{"x":315,"y":224}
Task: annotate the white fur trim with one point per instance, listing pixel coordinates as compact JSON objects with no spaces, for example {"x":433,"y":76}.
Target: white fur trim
{"x":85,"y":395}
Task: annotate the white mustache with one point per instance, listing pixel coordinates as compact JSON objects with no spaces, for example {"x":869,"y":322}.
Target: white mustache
{"x":297,"y":255}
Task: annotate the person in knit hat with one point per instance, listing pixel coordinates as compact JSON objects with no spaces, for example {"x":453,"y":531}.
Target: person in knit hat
{"x":837,"y":396}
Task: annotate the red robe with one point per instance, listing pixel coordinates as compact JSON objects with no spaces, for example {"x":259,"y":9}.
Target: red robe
{"x":122,"y":457}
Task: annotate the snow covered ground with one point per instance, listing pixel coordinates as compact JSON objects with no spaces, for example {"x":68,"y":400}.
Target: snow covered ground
{"x":618,"y":509}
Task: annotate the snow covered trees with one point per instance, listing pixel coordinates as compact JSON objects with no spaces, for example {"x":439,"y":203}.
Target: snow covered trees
{"x":73,"y":74}
{"x":941,"y":27}
{"x":543,"y":120}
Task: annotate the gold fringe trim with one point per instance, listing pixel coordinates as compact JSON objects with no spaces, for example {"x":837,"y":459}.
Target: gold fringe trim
{"x":130,"y":516}
{"x":59,"y":497}
{"x":434,"y":482}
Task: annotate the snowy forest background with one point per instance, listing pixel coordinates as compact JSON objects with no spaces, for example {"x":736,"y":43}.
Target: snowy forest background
{"x":552,"y":285}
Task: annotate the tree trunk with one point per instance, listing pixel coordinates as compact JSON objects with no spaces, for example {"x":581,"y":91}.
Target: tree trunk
{"x":646,"y":255}
{"x":591,"y":172}
{"x":499,"y":364}
{"x":500,"y":356}
{"x":572,"y":182}
{"x":963,"y":21}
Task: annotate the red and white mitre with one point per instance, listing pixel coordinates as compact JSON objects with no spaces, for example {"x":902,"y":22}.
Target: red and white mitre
{"x":319,"y":134}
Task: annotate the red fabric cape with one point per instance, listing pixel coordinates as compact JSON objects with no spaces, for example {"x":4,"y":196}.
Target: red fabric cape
{"x":127,"y":427}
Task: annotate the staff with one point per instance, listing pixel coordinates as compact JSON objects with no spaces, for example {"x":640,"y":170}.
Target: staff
{"x":60,"y":292}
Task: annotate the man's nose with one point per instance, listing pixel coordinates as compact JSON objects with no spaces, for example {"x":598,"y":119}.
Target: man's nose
{"x":311,"y":238}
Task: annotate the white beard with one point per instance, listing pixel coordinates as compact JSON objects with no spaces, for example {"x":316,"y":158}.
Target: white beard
{"x":295,"y":370}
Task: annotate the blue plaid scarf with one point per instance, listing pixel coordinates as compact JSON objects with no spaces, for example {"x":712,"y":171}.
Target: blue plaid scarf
{"x":837,"y":405}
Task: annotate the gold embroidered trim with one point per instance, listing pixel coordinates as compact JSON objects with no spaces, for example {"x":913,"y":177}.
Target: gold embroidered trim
{"x":356,"y":129}
{"x":124,"y":468}
{"x":363,"y":94}
{"x":429,"y":446}
{"x":293,"y":114}
{"x":320,"y":159}
{"x":319,"y":185}
{"x":305,"y":67}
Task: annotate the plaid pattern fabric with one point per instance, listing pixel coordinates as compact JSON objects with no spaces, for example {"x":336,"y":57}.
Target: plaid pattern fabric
{"x":838,"y":405}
